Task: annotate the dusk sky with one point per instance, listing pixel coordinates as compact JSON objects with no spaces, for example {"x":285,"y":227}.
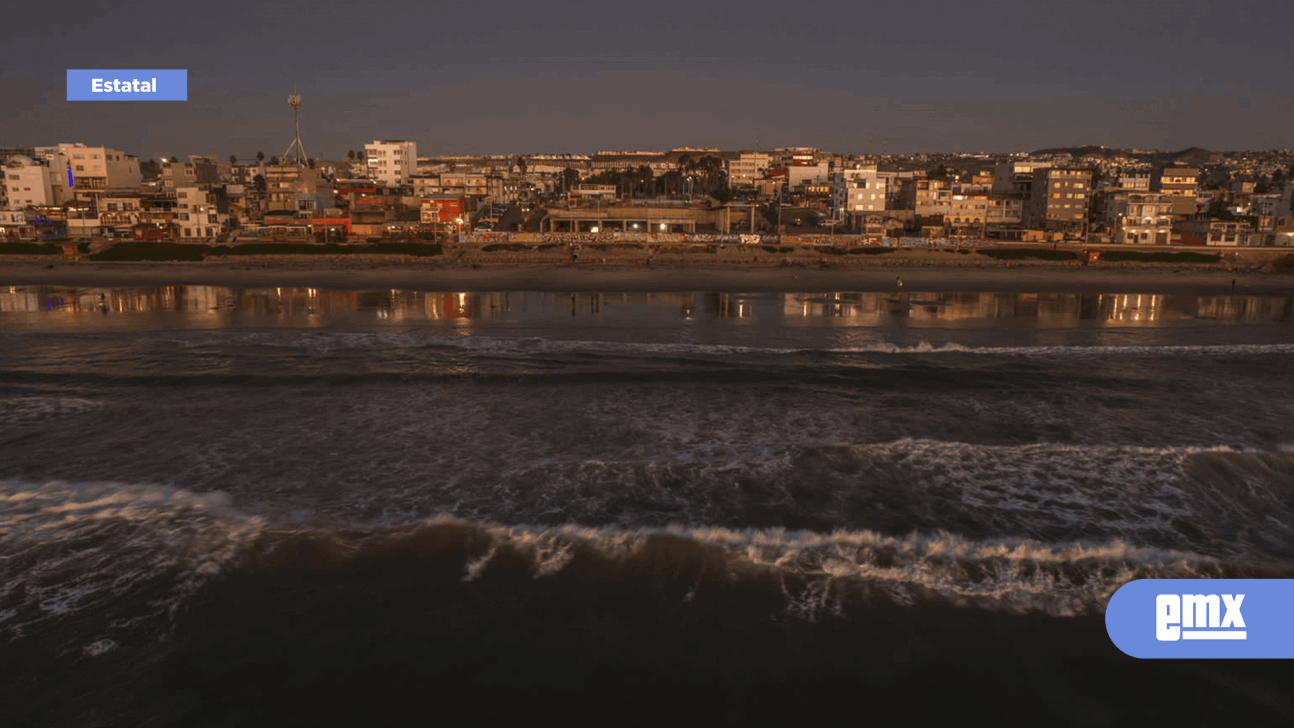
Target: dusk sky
{"x":512,"y":77}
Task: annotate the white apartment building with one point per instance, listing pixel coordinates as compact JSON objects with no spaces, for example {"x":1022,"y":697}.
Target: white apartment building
{"x":392,"y":161}
{"x":198,"y":216}
{"x":859,"y":190}
{"x":1144,"y":218}
{"x":746,"y":168}
{"x":93,"y":169}
{"x":28,"y":183}
{"x":797,"y":175}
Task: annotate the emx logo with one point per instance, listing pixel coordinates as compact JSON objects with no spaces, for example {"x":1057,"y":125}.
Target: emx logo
{"x":1203,"y":618}
{"x":1199,"y":617}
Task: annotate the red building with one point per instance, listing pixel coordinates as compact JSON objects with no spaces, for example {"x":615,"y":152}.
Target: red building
{"x":330,"y":225}
{"x":443,"y":210}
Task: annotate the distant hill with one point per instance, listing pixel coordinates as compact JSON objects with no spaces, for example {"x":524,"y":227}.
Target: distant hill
{"x":1193,"y":156}
{"x":1091,"y":150}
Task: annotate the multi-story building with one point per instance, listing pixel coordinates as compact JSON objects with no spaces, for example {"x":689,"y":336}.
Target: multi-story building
{"x":93,"y":170}
{"x":929,"y":197}
{"x":31,"y":184}
{"x":1213,"y":232}
{"x":199,"y":171}
{"x":1181,"y":183}
{"x":118,"y":214}
{"x":425,"y":185}
{"x":1016,"y":178}
{"x":392,"y":161}
{"x":858,"y":190}
{"x":746,"y":168}
{"x":785,"y":157}
{"x":14,"y":225}
{"x":289,"y":187}
{"x":800,"y":174}
{"x":1004,"y":210}
{"x":199,"y":217}
{"x":956,"y":209}
{"x":1268,"y":204}
{"x":439,"y":213}
{"x":1139,"y":218}
{"x":468,"y":184}
{"x":1058,"y":199}
{"x":1135,"y":181}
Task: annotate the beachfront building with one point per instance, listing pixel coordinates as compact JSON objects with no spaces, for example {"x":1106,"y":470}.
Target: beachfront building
{"x":942,"y":208}
{"x":290,"y":187}
{"x":1213,"y":232}
{"x":1139,"y":218}
{"x":392,"y":161}
{"x":1016,"y":178}
{"x":92,"y":171}
{"x":465,"y":184}
{"x":29,"y":183}
{"x":1059,"y":199}
{"x":199,"y":171}
{"x":118,"y":214}
{"x":747,"y":168}
{"x":1182,"y":184}
{"x":14,"y":225}
{"x":443,"y":213}
{"x":199,"y":216}
{"x":1004,"y":210}
{"x":646,"y":217}
{"x":858,"y":199}
{"x":860,"y":189}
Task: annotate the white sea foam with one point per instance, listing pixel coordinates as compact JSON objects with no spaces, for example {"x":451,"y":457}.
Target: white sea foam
{"x":99,"y":647}
{"x":17,"y":410}
{"x":77,"y":548}
{"x":820,"y":572}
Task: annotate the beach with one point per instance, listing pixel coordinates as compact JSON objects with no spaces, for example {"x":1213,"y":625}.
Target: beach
{"x":445,"y":275}
{"x":280,"y":491}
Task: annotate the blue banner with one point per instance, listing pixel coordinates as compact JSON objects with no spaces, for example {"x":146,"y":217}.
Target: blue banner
{"x":1203,"y":618}
{"x":127,"y":84}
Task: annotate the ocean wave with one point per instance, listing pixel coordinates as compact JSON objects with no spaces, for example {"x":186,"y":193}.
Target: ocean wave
{"x":817,"y":574}
{"x":326,"y":342}
{"x":17,"y":410}
{"x":96,"y":558}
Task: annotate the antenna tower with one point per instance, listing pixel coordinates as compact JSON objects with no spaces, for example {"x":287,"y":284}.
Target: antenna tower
{"x":294,"y":100}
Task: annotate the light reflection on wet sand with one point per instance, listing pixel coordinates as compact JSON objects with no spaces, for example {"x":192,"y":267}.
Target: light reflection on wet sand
{"x":204,"y":307}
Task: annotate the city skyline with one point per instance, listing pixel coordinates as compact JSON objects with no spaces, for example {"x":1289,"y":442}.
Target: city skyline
{"x":513,"y":78}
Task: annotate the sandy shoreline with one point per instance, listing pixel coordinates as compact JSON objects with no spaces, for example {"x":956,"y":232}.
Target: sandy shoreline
{"x":448,"y":276}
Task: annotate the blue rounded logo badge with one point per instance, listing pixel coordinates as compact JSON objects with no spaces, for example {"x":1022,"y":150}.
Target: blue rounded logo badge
{"x":1203,"y":618}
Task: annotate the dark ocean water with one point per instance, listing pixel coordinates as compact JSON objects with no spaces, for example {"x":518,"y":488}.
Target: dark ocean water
{"x":284,"y":506}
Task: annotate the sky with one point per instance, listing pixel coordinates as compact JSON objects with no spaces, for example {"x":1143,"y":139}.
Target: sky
{"x":507,"y":77}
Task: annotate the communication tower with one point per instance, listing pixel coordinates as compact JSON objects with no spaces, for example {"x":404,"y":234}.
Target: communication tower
{"x":294,"y":100}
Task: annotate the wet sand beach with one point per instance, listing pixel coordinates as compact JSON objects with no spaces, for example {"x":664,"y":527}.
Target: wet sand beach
{"x":442,"y":275}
